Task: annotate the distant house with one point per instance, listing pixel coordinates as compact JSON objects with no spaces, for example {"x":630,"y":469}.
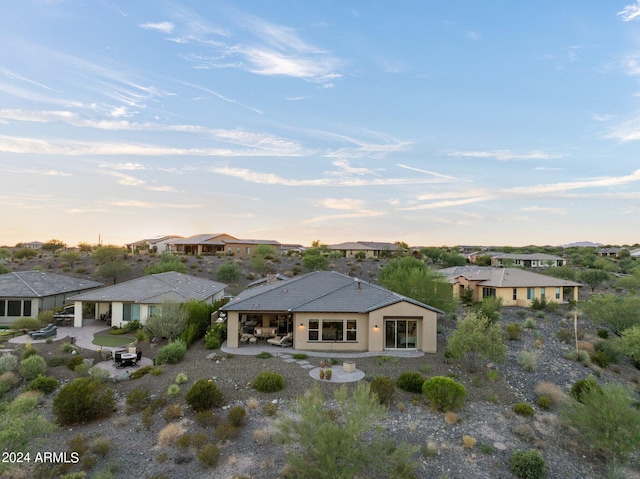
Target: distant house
{"x":515,"y":286}
{"x":329,"y":311}
{"x":161,"y":244}
{"x":31,"y":245}
{"x":366,"y":249}
{"x":26,"y":293}
{"x":140,"y":298}
{"x":533,"y":260}
{"x":221,"y":243}
{"x":608,"y":252}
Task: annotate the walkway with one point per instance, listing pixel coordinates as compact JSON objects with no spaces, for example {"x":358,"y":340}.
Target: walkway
{"x":255,"y":349}
{"x":83,"y":336}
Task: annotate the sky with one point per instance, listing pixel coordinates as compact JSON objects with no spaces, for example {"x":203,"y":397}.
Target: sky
{"x":429,"y":122}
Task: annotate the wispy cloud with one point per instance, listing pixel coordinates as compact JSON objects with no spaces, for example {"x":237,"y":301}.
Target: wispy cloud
{"x":630,"y":12}
{"x":36,"y":171}
{"x":505,"y":155}
{"x":541,"y":209}
{"x":164,"y":27}
{"x":627,"y":131}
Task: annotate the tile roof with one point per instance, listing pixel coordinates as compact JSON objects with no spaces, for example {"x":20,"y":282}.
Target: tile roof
{"x":504,"y":277}
{"x":38,"y":284}
{"x":320,"y":291}
{"x":156,"y":288}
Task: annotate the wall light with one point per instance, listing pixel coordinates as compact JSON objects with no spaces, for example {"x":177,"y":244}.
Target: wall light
{"x":301,"y":325}
{"x":375,"y":327}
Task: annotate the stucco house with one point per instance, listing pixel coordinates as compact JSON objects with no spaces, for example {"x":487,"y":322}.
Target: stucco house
{"x":221,"y":243}
{"x":161,"y":244}
{"x":515,"y":286}
{"x":26,"y":293}
{"x":533,"y":260}
{"x":140,"y":298}
{"x":332,"y":312}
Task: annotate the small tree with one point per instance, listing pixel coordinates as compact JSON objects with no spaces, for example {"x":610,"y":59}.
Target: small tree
{"x":167,"y":262}
{"x":615,"y":312}
{"x":475,"y":338}
{"x":70,"y":257}
{"x":53,"y":245}
{"x":593,"y":277}
{"x":351,"y":427}
{"x":229,"y":273}
{"x":169,"y":322}
{"x":630,"y":343}
{"x":314,"y":260}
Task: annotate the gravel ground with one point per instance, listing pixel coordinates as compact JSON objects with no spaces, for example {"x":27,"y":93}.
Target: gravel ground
{"x":486,"y":416}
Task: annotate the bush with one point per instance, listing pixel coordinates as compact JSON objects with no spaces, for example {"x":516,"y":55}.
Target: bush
{"x":528,"y":464}
{"x":264,"y":355}
{"x":599,"y":358}
{"x":513,"y":331}
{"x":565,"y":335}
{"x":26,"y":323}
{"x":225,"y":432}
{"x":137,"y":400}
{"x":270,"y":409}
{"x":209,"y":455}
{"x":268,"y":382}
{"x":44,"y":384}
{"x":411,"y":382}
{"x":173,"y":390}
{"x":603,"y":333}
{"x":550,"y":390}
{"x":56,"y":361}
{"x":610,"y":350}
{"x":172,"y":353}
{"x":138,"y":373}
{"x":383,"y":388}
{"x":204,"y":394}
{"x":8,"y":362}
{"x":181,"y":378}
{"x":81,"y":400}
{"x":98,"y":374}
{"x":7,"y":381}
{"x":528,"y":360}
{"x":30,"y":351}
{"x":237,"y":416}
{"x":581,"y":386}
{"x":544,"y":402}
{"x":444,"y":394}
{"x":74,"y":362}
{"x":32,"y":367}
{"x":523,"y":409}
{"x":215,"y":336}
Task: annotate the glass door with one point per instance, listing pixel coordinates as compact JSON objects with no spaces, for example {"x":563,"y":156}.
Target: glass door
{"x":401,"y":334}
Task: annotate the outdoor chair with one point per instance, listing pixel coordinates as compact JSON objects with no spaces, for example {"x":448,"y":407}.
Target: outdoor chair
{"x":283,"y":342}
{"x":138,"y":357}
{"x":48,"y":331}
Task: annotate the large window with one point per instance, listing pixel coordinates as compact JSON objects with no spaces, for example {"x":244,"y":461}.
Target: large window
{"x":14,"y":307}
{"x":488,"y":292}
{"x":333,"y":330}
{"x":130,"y":312}
{"x":2,"y":307}
{"x":543,"y":293}
{"x":531,"y":293}
{"x":557,"y":293}
{"x":400,"y":334}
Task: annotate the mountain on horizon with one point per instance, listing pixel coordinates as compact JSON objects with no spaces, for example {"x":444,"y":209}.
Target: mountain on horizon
{"x":582,"y":244}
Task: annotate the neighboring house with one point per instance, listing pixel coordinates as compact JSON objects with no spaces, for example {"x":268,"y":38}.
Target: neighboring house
{"x":380,"y":249}
{"x":473,"y":256}
{"x":635,"y":253}
{"x":533,"y":260}
{"x":332,"y":312}
{"x":26,"y":293}
{"x":515,"y":286}
{"x":352,"y":249}
{"x":161,"y":244}
{"x":221,"y":243}
{"x":139,"y":298}
{"x":291,"y":248}
{"x":31,"y":245}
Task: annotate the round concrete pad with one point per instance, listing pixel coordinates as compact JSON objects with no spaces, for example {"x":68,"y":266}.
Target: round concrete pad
{"x":338,"y":375}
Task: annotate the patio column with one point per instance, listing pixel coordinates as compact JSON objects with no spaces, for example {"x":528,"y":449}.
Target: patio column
{"x":77,"y":314}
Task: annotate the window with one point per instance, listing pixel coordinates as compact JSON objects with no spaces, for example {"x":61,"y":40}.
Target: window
{"x":26,"y":308}
{"x":531,"y":293}
{"x":154,"y":309}
{"x":2,"y":307}
{"x":515,"y":294}
{"x":542,"y":293}
{"x":248,"y":250}
{"x":332,"y":330}
{"x":487,"y":292}
{"x":351,"y":329}
{"x":557,"y":293}
{"x":314,"y":328}
{"x":130,"y":312}
{"x":14,"y":308}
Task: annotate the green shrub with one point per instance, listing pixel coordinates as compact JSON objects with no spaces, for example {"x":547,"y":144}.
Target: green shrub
{"x":173,"y":390}
{"x":7,"y":381}
{"x":56,"y":361}
{"x":74,"y":362}
{"x":270,"y":409}
{"x":528,"y":464}
{"x":264,"y":355}
{"x":513,"y":331}
{"x":565,"y":335}
{"x":8,"y":362}
{"x":98,"y":374}
{"x":411,"y":382}
{"x":299,"y":356}
{"x":32,"y":367}
{"x":599,"y":358}
{"x":44,"y":384}
{"x":26,"y":323}
{"x":610,"y":349}
{"x":204,"y":394}
{"x":181,"y":378}
{"x":268,"y":382}
{"x":30,"y":351}
{"x":172,"y":353}
{"x":444,"y":394}
{"x":383,"y":388}
{"x":528,"y":360}
{"x":138,"y":373}
{"x":209,"y":455}
{"x":225,"y":432}
{"x":580,"y":387}
{"x":81,"y":400}
{"x":137,"y":399}
{"x":215,"y":336}
{"x":237,"y":416}
{"x":544,"y":402}
{"x":538,"y":304}
{"x":523,"y":409}
{"x":603,"y":333}
{"x":207,"y":418}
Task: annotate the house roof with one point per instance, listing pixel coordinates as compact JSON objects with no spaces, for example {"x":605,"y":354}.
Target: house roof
{"x":154,"y":240}
{"x":350,"y":245}
{"x":530,"y":256}
{"x":504,"y":277}
{"x":320,"y":291}
{"x":208,"y":238}
{"x":39,"y":284}
{"x":378,"y":245}
{"x":156,"y":288}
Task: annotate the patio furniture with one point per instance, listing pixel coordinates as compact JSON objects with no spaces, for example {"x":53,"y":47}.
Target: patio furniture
{"x":127,"y":360}
{"x":117,"y":356}
{"x":138,"y":357}
{"x":265,"y":332}
{"x":245,"y":338}
{"x":284,"y":341}
{"x":46,"y":332}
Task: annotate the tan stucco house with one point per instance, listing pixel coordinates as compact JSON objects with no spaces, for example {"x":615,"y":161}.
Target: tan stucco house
{"x":221,"y":243}
{"x":140,"y":298}
{"x":515,"y":286}
{"x":332,"y":312}
{"x":532,"y":260}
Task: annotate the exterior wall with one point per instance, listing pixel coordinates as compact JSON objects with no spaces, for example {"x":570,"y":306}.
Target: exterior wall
{"x":8,"y":320}
{"x":238,"y":248}
{"x":521,"y":295}
{"x":233,"y":329}
{"x":301,"y":333}
{"x":427,"y":326}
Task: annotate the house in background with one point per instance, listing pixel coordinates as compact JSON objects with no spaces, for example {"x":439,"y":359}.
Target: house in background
{"x":140,"y":298}
{"x":161,"y":244}
{"x":26,"y":293}
{"x":533,"y":260}
{"x":332,"y":312}
{"x":31,"y":245}
{"x":516,"y":287}
{"x":221,"y":243}
{"x":364,"y":249}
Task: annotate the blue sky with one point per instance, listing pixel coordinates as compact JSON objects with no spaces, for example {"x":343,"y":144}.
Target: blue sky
{"x":433,"y":123}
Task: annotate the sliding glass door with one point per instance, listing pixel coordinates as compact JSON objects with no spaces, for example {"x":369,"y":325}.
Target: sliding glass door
{"x":401,"y":334}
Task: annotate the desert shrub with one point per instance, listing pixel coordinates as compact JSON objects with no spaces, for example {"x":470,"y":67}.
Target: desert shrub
{"x":98,"y":374}
{"x":383,"y":388}
{"x":8,"y":362}
{"x":443,"y":393}
{"x":225,"y":432}
{"x":137,"y":399}
{"x":603,"y":333}
{"x":172,"y":353}
{"x":237,"y":416}
{"x":551,"y":307}
{"x":610,"y":349}
{"x":411,"y":382}
{"x":579,"y":356}
{"x":26,"y":323}
{"x":204,"y":394}
{"x":43,"y":384}
{"x":101,"y":446}
{"x":468,"y":442}
{"x":528,"y":464}
{"x":268,"y":382}
{"x":56,"y":361}
{"x":74,"y":362}
{"x":586,"y":346}
{"x":599,"y":358}
{"x":528,"y":360}
{"x":513,"y":331}
{"x":32,"y":367}
{"x":138,"y":373}
{"x":264,"y":355}
{"x":605,"y":419}
{"x":581,"y":386}
{"x":81,"y":400}
{"x":30,"y":351}
{"x":523,"y":409}
{"x":544,"y":402}
{"x":156,"y":371}
{"x":215,"y":336}
{"x":173,"y":412}
{"x":538,"y":304}
{"x":206,"y":418}
{"x":7,"y":381}
{"x":565,"y":335}
{"x":170,"y":434}
{"x":530,"y":323}
{"x":181,"y":378}
{"x":270,"y":409}
{"x":209,"y":455}
{"x":173,"y":390}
